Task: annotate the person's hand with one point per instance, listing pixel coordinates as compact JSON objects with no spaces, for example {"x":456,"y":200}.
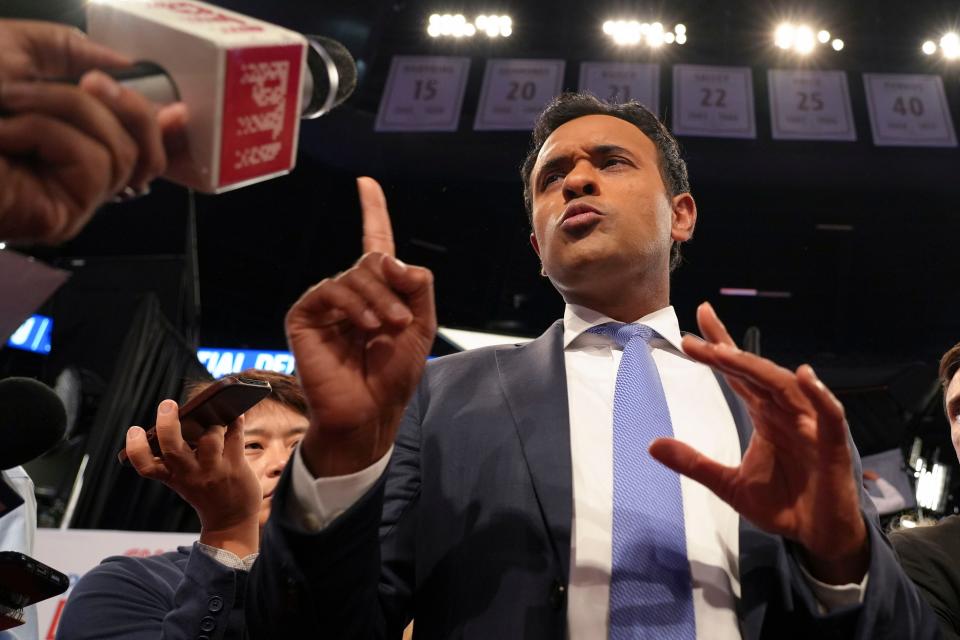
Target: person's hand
{"x":796,"y":476}
{"x":361,"y":340}
{"x":65,"y":149}
{"x":214,"y":478}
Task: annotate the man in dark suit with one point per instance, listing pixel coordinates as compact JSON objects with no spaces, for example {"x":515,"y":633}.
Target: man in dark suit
{"x":931,"y":555}
{"x":516,"y":496}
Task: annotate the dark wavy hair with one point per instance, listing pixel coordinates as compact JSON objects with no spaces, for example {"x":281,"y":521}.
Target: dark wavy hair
{"x":949,"y":365}
{"x":569,"y":106}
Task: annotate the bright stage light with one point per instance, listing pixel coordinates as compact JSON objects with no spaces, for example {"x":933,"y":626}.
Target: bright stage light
{"x":929,"y":47}
{"x":634,"y":32}
{"x":784,"y":36}
{"x":802,"y":39}
{"x":950,"y":45}
{"x":457,"y":26}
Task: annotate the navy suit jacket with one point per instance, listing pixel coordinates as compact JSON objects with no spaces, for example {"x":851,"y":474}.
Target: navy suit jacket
{"x":468,"y":531}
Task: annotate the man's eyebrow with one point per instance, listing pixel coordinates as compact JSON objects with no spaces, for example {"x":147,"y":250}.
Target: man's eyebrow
{"x":598,"y":150}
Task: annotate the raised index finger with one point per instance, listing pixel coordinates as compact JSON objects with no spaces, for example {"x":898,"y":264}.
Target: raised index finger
{"x":377,"y":233}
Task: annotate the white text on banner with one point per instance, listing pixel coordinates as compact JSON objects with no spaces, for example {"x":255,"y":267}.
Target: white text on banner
{"x":713,"y":101}
{"x":810,"y":105}
{"x":423,"y":93}
{"x":908,"y":110}
{"x":618,"y":82}
{"x":515,"y":91}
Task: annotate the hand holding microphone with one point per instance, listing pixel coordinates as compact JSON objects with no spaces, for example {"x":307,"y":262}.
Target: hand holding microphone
{"x":64,"y":150}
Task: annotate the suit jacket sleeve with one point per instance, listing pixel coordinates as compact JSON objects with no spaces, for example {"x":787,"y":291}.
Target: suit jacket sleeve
{"x":891,"y":608}
{"x":353,"y":579}
{"x":935,"y":568}
{"x":136,"y":599}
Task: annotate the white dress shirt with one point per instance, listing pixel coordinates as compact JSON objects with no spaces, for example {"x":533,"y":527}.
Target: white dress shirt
{"x":700,"y":417}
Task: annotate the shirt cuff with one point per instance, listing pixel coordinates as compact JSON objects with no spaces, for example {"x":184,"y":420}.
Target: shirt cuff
{"x":830,"y":596}
{"x":228,"y":558}
{"x":318,"y":501}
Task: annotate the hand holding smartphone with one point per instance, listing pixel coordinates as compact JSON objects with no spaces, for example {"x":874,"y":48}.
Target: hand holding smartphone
{"x":219,"y":404}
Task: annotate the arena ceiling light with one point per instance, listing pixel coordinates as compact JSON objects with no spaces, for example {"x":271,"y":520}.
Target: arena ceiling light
{"x":654,"y":35}
{"x":803,"y":39}
{"x":456,"y":25}
{"x":949,"y":46}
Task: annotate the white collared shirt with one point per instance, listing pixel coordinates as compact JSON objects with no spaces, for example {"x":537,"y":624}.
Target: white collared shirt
{"x":701,"y":418}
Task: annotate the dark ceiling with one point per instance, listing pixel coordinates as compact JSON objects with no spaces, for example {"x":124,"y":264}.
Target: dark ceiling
{"x":862,"y":237}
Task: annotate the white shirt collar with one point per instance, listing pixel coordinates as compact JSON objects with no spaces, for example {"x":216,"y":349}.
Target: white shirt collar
{"x":577,"y":319}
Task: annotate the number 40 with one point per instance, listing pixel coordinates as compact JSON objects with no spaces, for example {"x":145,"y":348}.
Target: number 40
{"x":913,"y":106}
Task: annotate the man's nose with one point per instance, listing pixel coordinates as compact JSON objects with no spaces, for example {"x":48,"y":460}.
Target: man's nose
{"x":276,"y":460}
{"x":580,"y":181}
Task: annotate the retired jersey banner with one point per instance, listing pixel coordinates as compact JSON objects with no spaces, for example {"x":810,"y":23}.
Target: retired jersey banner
{"x":423,"y":93}
{"x":515,"y":91}
{"x":810,"y":105}
{"x":617,"y":82}
{"x":713,"y":101}
{"x":908,"y":110}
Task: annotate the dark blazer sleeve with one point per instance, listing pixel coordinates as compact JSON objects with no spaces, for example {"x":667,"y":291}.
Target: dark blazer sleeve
{"x":891,"y":608}
{"x":934,"y":566}
{"x":151,"y":599}
{"x":354,"y":579}
{"x":777,"y":599}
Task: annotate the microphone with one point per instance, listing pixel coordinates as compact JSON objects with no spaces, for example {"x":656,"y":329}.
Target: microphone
{"x":32,"y":420}
{"x":246,"y":82}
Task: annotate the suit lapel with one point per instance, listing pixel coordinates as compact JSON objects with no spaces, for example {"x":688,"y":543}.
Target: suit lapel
{"x":534,"y":381}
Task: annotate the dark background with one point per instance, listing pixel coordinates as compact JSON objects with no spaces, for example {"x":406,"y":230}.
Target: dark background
{"x":872,"y":306}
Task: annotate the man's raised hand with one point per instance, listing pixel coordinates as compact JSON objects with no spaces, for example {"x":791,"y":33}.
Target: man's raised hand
{"x":361,"y":340}
{"x":796,"y":476}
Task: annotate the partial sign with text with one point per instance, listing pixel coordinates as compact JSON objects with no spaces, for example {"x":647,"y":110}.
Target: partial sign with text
{"x":908,"y":110}
{"x":515,"y":91}
{"x":618,"y":82}
{"x":713,"y":101}
{"x":423,"y":93}
{"x":810,"y":105}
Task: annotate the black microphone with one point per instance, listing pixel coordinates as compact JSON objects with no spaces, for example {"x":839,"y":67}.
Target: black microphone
{"x":32,"y":420}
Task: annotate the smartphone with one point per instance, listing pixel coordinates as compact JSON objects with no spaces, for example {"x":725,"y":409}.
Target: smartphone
{"x":24,"y":580}
{"x":220,"y":403}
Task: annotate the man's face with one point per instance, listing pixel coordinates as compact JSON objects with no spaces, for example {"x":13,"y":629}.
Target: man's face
{"x":270,"y":433}
{"x":600,"y":207}
{"x":952,"y":398}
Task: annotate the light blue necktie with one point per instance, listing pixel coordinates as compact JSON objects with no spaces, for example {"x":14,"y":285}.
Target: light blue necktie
{"x":650,"y":586}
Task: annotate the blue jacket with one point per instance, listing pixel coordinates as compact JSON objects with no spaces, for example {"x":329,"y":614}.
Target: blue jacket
{"x":173,"y":596}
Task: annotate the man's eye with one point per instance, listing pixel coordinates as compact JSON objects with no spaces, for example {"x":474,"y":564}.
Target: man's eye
{"x":253,"y":446}
{"x":551,"y":177}
{"x":609,"y":162}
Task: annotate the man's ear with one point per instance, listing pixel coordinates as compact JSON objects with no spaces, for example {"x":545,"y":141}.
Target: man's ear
{"x":534,"y":244}
{"x":684,"y":217}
